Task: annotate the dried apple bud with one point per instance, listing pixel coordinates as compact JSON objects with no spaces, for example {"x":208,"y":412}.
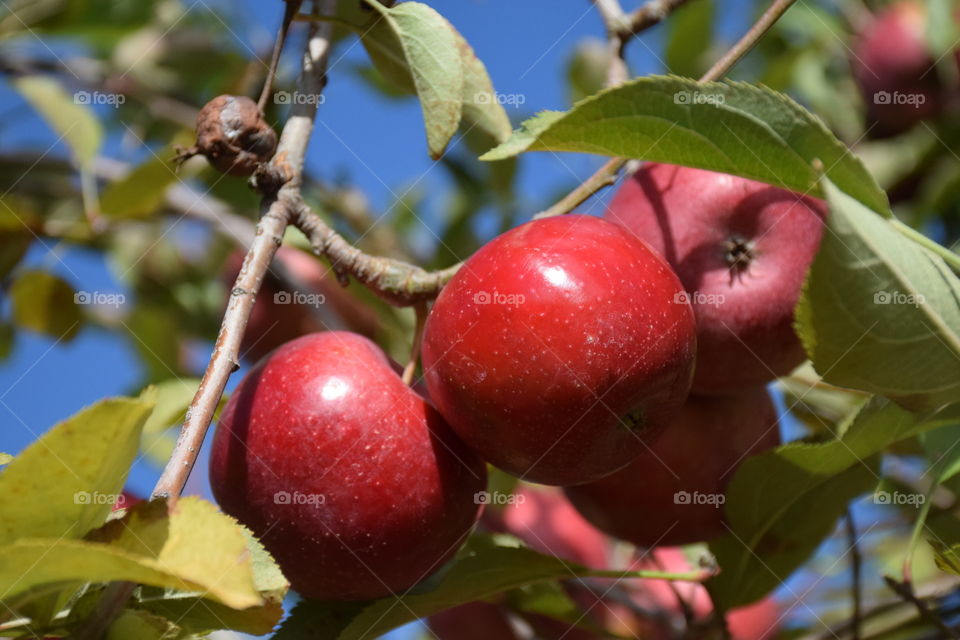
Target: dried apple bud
{"x":233,"y":136}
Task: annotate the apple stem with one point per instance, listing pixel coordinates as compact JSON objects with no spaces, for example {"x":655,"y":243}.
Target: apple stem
{"x":421,"y":310}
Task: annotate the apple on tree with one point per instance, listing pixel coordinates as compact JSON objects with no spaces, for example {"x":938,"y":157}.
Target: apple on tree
{"x":673,"y":493}
{"x":559,"y":348}
{"x":350,"y":479}
{"x":896,"y":71}
{"x":741,"y":249}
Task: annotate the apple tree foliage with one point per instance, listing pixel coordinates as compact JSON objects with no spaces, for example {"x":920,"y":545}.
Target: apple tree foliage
{"x":883,"y":380}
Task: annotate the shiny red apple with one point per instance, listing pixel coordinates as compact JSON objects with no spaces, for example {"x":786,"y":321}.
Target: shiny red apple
{"x":674,"y":493}
{"x":559,"y":348}
{"x":348,"y":477}
{"x":742,"y":250}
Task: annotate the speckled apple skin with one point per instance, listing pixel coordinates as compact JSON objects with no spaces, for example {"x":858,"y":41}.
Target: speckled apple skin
{"x":745,"y":334}
{"x":558,"y":348}
{"x":326,"y":415}
{"x":699,"y":452}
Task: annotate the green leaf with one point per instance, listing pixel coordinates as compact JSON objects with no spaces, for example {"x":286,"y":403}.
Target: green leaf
{"x":879,"y":312}
{"x":484,"y":568}
{"x":781,"y":504}
{"x":941,"y":448}
{"x":141,"y":625}
{"x":63,"y":484}
{"x":727,"y":126}
{"x":689,"y":38}
{"x":13,"y":246}
{"x":414,"y":47}
{"x":197,"y":614}
{"x":200,"y":615}
{"x":194,"y":548}
{"x":44,"y":303}
{"x":171,"y":399}
{"x":481,"y":108}
{"x":942,"y":31}
{"x":141,"y":192}
{"x":947,"y":558}
{"x":754,"y":565}
{"x":72,"y":121}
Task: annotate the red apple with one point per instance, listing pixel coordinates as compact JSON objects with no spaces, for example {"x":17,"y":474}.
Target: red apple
{"x":546,"y":521}
{"x":742,"y":250}
{"x":126,"y":500}
{"x":277,"y":318}
{"x":674,"y":492}
{"x":895,"y":70}
{"x":558,"y":349}
{"x":348,"y":477}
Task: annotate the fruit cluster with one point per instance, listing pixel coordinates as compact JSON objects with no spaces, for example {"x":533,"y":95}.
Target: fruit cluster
{"x":623,"y":359}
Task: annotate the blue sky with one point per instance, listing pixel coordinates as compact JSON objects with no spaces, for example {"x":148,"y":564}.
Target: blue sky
{"x":378,"y":144}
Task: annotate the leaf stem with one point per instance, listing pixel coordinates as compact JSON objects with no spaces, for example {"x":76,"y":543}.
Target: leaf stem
{"x":951,"y":258}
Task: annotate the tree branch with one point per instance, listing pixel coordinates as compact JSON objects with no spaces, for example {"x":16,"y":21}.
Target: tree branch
{"x":905,"y":591}
{"x":398,"y":282}
{"x":277,"y":209}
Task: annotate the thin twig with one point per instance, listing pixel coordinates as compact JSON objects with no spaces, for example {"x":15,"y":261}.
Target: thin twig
{"x":398,"y":282}
{"x":747,"y":42}
{"x":290,"y":10}
{"x":905,"y":591}
{"x":607,"y":174}
{"x":855,"y":575}
{"x":277,"y":210}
